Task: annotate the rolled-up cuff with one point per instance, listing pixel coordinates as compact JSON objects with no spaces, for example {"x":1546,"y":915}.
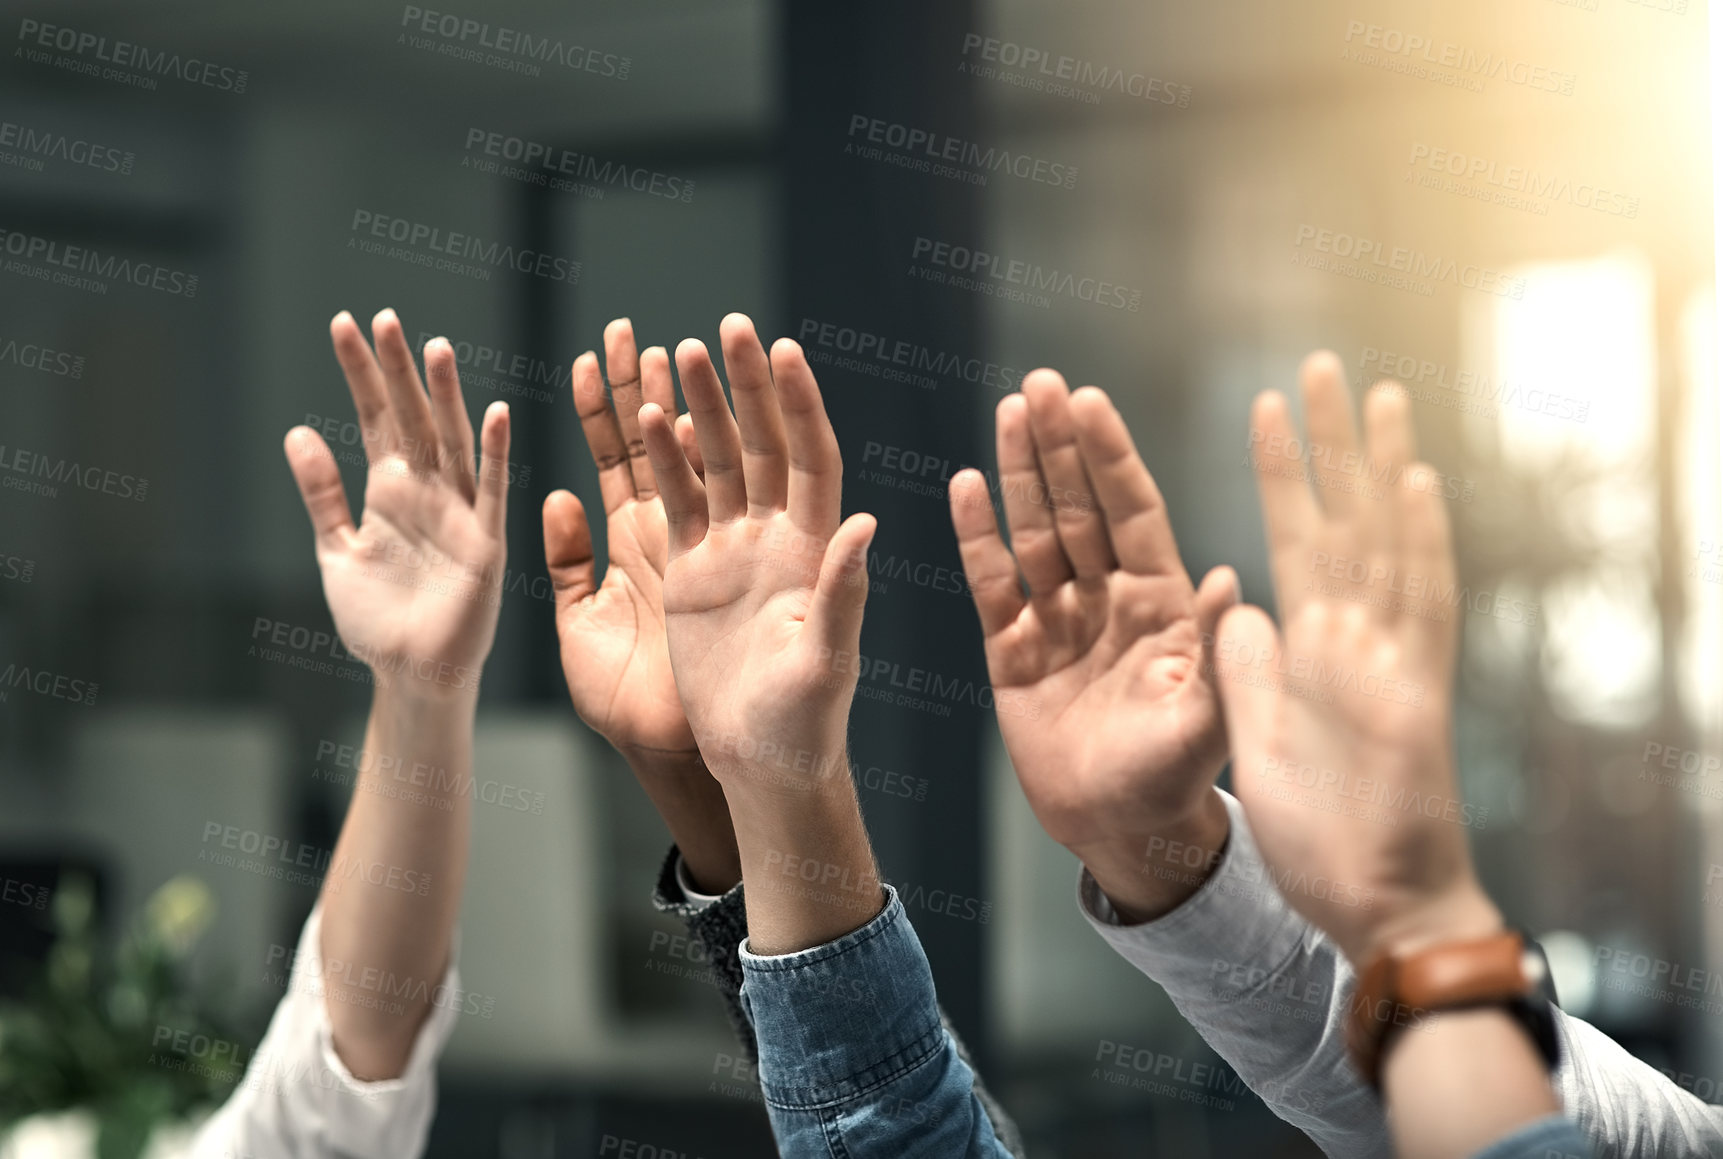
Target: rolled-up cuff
{"x":1235,"y":923}
{"x":840,"y":1020}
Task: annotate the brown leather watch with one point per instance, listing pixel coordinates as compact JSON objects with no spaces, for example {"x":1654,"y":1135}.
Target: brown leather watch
{"x":1396,"y":991}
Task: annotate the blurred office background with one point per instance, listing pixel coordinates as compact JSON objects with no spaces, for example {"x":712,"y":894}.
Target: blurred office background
{"x":1213,"y":162}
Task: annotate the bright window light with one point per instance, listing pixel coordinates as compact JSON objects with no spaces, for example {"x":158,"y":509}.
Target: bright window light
{"x":1585,"y":330}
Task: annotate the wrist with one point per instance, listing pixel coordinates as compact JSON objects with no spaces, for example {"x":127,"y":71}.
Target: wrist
{"x":1148,"y":874}
{"x":664,"y":766}
{"x":692,"y":806}
{"x":423,"y":700}
{"x":407,"y":681}
{"x":807,"y":866}
{"x":1460,"y":913}
{"x":767,"y":769}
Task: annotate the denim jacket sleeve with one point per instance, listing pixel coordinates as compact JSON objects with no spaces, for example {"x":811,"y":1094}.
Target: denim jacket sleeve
{"x":854,"y":1061}
{"x":1554,"y":1137}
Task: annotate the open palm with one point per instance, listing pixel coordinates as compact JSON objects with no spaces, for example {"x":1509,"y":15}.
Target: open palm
{"x":763,"y":592}
{"x":414,"y":589}
{"x":1340,"y":730}
{"x":1102,"y":672}
{"x":614,"y":654}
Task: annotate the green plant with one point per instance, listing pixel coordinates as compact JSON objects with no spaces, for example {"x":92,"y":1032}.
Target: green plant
{"x":118,"y":1031}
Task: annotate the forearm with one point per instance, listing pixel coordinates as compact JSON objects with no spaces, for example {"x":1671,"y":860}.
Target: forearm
{"x":1147,"y":875}
{"x":1479,"y":1060}
{"x":807,"y":867}
{"x":393,"y":889}
{"x":693,"y":807}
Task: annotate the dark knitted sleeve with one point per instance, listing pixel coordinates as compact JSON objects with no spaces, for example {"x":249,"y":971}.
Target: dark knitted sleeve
{"x":718,"y":928}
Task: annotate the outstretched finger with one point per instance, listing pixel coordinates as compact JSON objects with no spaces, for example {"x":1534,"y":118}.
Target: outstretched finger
{"x":1136,"y":515}
{"x":1337,"y":464}
{"x":656,"y":382}
{"x":759,"y":417}
{"x":622,"y":371}
{"x":492,"y":501}
{"x":1289,"y":513}
{"x":603,"y":434}
{"x":690,"y":444}
{"x":816,"y":463}
{"x":987,"y":562}
{"x":449,"y":410}
{"x":319,"y":481}
{"x":407,"y":399}
{"x":685,"y":501}
{"x":1393,"y":448}
{"x":365,"y":384}
{"x":1034,"y":538}
{"x":1076,"y":517}
{"x":715,"y":426}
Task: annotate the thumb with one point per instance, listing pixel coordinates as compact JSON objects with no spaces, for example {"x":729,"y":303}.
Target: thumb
{"x":319,"y":480}
{"x":1217,"y":593}
{"x":840,"y":593}
{"x":1247,"y":651}
{"x":568,"y":549}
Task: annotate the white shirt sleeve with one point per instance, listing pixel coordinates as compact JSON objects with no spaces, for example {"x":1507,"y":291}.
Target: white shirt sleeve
{"x":690,"y":895}
{"x":298,"y":1100}
{"x":1270,"y":993}
{"x":1264,"y":988}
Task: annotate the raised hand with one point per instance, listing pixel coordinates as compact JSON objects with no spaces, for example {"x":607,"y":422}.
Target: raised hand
{"x":763,"y":600}
{"x":612,"y":632}
{"x":1340,"y":723}
{"x":764,"y":589}
{"x":415,"y":588}
{"x":614,"y":654}
{"x":1105,"y":689}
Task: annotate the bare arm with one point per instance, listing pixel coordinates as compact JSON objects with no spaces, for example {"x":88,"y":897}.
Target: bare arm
{"x":763,"y":596}
{"x":414,"y":590}
{"x":614,"y":655}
